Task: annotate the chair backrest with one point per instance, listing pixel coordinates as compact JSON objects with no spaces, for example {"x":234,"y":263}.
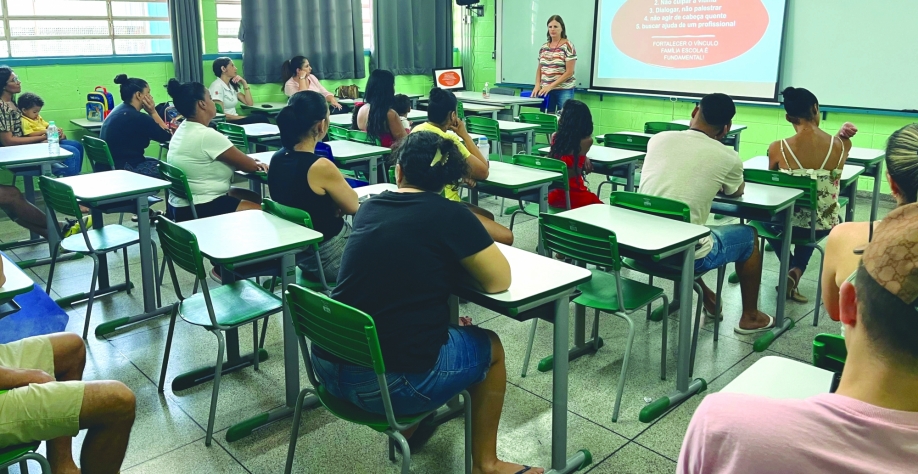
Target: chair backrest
{"x":361,"y":137}
{"x":484,"y":126}
{"x":626,"y":141}
{"x":298,"y":217}
{"x":460,"y":111}
{"x":583,"y":242}
{"x":806,"y":184}
{"x":658,"y":206}
{"x":546,"y":164}
{"x":829,"y":352}
{"x":502,"y":91}
{"x":236,"y":135}
{"x":548,"y":123}
{"x":178,"y":179}
{"x":180,"y":246}
{"x":338,"y":133}
{"x":325,"y":150}
{"x":59,"y":198}
{"x":657,"y":127}
{"x":98,"y":153}
{"x":219,"y":108}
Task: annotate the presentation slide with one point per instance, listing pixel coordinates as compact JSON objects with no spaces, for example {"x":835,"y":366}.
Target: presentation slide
{"x":689,"y":47}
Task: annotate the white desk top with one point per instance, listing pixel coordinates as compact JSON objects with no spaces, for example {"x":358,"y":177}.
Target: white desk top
{"x":777,"y":377}
{"x":761,"y":163}
{"x":17,"y":282}
{"x":863,"y":155}
{"x":261,"y":130}
{"x":344,"y":150}
{"x":642,"y":233}
{"x":272,"y":106}
{"x":762,"y":196}
{"x":263,"y":156}
{"x":105,"y":185}
{"x":514,"y":176}
{"x":87,"y":124}
{"x":511,"y":127}
{"x":365,"y":192}
{"x":733,"y":128}
{"x":606,"y":155}
{"x":345,"y":119}
{"x":471,"y":107}
{"x":495,"y":99}
{"x":35,"y":153}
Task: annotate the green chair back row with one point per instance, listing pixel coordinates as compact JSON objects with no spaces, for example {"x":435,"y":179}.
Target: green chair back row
{"x":583,"y":242}
{"x":484,"y":126}
{"x":626,"y":141}
{"x":809,"y":199}
{"x":657,"y":127}
{"x":100,"y":157}
{"x":337,"y":133}
{"x":180,"y":247}
{"x":179,"y":182}
{"x":361,"y":137}
{"x":654,"y":205}
{"x":460,"y":111}
{"x":548,"y":123}
{"x":236,"y":135}
{"x":546,"y":164}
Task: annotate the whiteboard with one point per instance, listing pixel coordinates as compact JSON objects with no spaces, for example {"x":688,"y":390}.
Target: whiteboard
{"x":521,"y":32}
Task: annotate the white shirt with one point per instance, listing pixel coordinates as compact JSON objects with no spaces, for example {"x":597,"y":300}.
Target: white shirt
{"x":194,"y":149}
{"x":690,"y":167}
{"x":225,"y":93}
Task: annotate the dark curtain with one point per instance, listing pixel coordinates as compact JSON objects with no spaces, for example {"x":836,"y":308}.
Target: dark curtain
{"x":187,"y":48}
{"x":412,"y":36}
{"x":328,"y":32}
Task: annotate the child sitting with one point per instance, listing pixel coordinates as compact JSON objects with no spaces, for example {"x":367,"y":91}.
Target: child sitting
{"x":574,"y":138}
{"x":402,"y":105}
{"x":33,"y":125}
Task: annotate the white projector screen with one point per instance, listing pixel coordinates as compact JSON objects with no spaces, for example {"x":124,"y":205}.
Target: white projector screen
{"x":689,"y":47}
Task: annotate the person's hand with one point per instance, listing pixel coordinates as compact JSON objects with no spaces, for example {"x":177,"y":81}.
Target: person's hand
{"x":535,"y":91}
{"x":335,"y":104}
{"x":588,"y":166}
{"x":469,"y":182}
{"x":61,"y":135}
{"x":545,"y":90}
{"x":36,"y":376}
{"x":458,"y":126}
{"x":148,"y":104}
{"x":848,"y":130}
{"x":239,"y":80}
{"x":261,"y":167}
{"x":301,"y":73}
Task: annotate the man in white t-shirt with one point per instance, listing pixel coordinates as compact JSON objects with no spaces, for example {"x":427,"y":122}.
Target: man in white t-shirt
{"x":692,"y":166}
{"x":870,"y":424}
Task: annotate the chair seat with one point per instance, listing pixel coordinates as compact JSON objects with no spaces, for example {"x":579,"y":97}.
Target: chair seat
{"x":10,"y":453}
{"x":110,"y":237}
{"x":602,"y":294}
{"x":842,"y":201}
{"x":766,"y":233}
{"x":234,"y":304}
{"x":349,"y":412}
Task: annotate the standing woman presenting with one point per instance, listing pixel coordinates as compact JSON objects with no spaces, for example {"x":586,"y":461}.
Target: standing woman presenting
{"x":555,"y":72}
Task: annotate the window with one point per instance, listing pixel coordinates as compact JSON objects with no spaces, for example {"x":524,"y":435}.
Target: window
{"x":367,"y":23}
{"x":229,"y":14}
{"x":36,"y":28}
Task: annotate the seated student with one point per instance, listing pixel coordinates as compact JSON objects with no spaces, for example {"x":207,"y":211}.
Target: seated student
{"x":870,"y":424}
{"x":225,"y":91}
{"x":807,"y":158}
{"x":48,"y":401}
{"x":574,"y":138}
{"x":692,"y":166}
{"x":300,"y":78}
{"x":375,"y":116}
{"x":207,"y":157}
{"x":441,"y":113}
{"x":33,"y":125}
{"x":407,"y":298}
{"x":128,"y":131}
{"x":401,"y":104}
{"x":841,"y":261}
{"x":11,"y":121}
{"x":300,"y":179}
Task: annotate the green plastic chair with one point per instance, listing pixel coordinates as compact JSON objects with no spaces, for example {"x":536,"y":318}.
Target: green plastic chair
{"x":351,"y":335}
{"x":21,"y":454}
{"x":100,"y":158}
{"x":180,"y":188}
{"x":227,"y":307}
{"x":670,"y":209}
{"x":548,"y":123}
{"x":607,"y":291}
{"x":489,"y":128}
{"x":361,"y":137}
{"x":59,"y":199}
{"x":562,"y":182}
{"x":219,"y":108}
{"x":337,"y":133}
{"x":460,"y":111}
{"x":809,"y":200}
{"x":236,"y":135}
{"x":830,"y":352}
{"x":619,"y":176}
{"x":657,"y":127}
{"x":300,"y":217}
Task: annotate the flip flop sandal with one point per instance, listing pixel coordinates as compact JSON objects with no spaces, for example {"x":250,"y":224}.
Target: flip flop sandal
{"x":710,"y":315}
{"x":771,"y":324}
{"x":525,"y":469}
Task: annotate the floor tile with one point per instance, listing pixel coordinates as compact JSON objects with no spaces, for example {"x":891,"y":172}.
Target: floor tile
{"x":193,"y":457}
{"x":635,"y":459}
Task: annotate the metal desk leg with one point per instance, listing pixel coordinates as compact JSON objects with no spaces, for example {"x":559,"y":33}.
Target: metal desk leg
{"x":781,"y":323}
{"x":530,"y":137}
{"x":494,"y":115}
{"x":29,"y":185}
{"x":629,"y":186}
{"x":473,"y":196}
{"x":291,"y":368}
{"x":877,"y":180}
{"x":543,"y":207}
{"x":852,"y":199}
{"x":373,"y":163}
{"x":684,"y":388}
{"x":581,"y":345}
{"x":736,"y":142}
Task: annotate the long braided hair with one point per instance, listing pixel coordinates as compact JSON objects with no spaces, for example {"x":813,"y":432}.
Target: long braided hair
{"x":575,"y":124}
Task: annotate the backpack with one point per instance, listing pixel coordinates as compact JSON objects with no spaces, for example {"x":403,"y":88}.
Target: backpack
{"x":99,"y":103}
{"x":347,"y":92}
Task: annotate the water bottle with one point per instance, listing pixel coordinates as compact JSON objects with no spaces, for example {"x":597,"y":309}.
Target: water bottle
{"x":485,"y":148}
{"x":484,"y":92}
{"x":54,"y":140}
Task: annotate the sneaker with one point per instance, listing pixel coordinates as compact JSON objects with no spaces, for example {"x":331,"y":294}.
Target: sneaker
{"x":215,"y":276}
{"x":72,"y":226}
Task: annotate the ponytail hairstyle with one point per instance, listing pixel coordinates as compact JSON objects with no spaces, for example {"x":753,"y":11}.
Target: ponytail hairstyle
{"x":130,"y":86}
{"x":561,"y":22}
{"x":186,"y":95}
{"x":218,"y":66}
{"x":380,"y":94}
{"x":429,"y":161}
{"x":902,"y":161}
{"x":299,"y":118}
{"x":441,"y":103}
{"x":288,"y":69}
{"x":799,"y":103}
{"x":575,"y":124}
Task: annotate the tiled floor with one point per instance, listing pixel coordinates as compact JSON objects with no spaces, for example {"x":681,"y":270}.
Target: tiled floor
{"x":169,"y":432}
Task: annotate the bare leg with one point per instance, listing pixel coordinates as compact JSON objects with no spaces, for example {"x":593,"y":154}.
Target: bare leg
{"x":750,"y":276}
{"x":69,"y":361}
{"x":108,"y":415}
{"x":487,"y":404}
{"x":21,"y":211}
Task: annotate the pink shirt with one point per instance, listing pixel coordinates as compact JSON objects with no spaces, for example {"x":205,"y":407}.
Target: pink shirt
{"x":736,"y":433}
{"x":292,"y":86}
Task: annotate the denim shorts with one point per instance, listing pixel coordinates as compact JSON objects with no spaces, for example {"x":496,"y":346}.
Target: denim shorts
{"x":732,"y":243}
{"x":464,"y":361}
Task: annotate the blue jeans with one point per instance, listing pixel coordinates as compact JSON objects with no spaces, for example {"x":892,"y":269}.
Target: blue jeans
{"x":800,"y":256}
{"x":557,"y":98}
{"x":731,"y":243}
{"x":74,"y":164}
{"x":148,"y":167}
{"x":464,"y":361}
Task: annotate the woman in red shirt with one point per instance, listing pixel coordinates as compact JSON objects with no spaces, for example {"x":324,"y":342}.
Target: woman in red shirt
{"x":574,"y":138}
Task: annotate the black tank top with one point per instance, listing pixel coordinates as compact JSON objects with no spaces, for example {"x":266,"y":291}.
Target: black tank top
{"x":288,"y":184}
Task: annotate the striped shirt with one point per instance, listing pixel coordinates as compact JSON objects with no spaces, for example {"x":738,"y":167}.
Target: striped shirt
{"x":553,"y":62}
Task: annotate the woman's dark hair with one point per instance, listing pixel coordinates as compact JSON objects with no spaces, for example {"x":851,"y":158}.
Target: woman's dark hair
{"x":380,"y":95}
{"x":5,"y":73}
{"x":288,"y":69}
{"x":218,"y":66}
{"x":561,"y":22}
{"x":902,"y":161}
{"x":303,"y":111}
{"x":185,"y":96}
{"x":441,"y":103}
{"x":130,"y":86}
{"x":29,"y":100}
{"x":798,"y":103}
{"x":576,"y":122}
{"x":401,"y":104}
{"x":415,"y":154}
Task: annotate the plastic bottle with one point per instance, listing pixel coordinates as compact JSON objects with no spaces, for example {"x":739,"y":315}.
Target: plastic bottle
{"x":54,"y":139}
{"x":485,"y":92}
{"x":485,"y":148}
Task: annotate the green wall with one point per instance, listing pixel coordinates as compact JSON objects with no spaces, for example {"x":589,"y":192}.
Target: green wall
{"x":615,"y":113}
